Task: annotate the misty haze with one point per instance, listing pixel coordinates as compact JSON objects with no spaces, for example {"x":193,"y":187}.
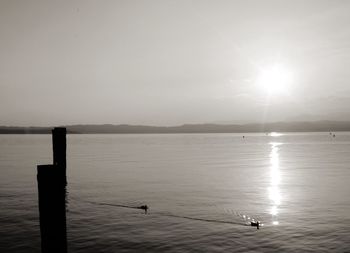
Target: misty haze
{"x":174,"y":126}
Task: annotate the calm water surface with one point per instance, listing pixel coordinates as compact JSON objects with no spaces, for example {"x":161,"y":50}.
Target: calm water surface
{"x":201,"y":189}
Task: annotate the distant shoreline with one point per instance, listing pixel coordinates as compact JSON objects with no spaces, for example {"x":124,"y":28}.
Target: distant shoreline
{"x":314,"y":126}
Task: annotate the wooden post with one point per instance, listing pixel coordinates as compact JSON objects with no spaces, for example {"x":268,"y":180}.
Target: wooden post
{"x":52,"y":197}
{"x":52,"y":209}
{"x":59,"y":145}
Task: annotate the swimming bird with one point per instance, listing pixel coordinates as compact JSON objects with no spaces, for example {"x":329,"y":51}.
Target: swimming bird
{"x":255,"y":224}
{"x":144,"y":207}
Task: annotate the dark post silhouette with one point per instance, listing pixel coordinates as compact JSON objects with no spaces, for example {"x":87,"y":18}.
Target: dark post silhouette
{"x":52,"y":197}
{"x":52,"y":209}
{"x":59,"y":145}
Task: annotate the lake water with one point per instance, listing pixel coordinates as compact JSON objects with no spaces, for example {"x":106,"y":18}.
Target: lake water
{"x":201,"y":189}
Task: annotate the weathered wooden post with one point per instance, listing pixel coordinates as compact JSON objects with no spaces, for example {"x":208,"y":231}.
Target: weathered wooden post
{"x":52,"y":197}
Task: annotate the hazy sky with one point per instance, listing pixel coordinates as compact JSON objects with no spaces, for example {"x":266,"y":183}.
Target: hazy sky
{"x":172,"y":62}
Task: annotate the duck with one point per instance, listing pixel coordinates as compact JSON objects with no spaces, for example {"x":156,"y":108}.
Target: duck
{"x":254,"y":223}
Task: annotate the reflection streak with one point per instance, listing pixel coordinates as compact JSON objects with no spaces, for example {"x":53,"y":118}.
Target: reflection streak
{"x":275,"y":179}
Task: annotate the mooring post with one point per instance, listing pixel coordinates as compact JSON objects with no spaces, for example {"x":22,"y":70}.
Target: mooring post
{"x":59,"y":146}
{"x":52,"y":210}
{"x":52,"y":197}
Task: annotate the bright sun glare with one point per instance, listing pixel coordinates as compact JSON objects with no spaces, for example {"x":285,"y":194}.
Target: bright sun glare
{"x":275,"y":79}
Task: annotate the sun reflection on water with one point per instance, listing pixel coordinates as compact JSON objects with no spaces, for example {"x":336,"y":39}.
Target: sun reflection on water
{"x":275,"y":134}
{"x":275,"y":179}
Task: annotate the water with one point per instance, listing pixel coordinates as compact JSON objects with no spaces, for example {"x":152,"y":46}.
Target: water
{"x":201,"y":189}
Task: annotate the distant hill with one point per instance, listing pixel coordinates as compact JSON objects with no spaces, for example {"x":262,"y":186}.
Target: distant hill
{"x":316,"y":126}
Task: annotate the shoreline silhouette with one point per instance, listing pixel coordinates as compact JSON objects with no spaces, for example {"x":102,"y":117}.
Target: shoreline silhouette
{"x":297,"y":126}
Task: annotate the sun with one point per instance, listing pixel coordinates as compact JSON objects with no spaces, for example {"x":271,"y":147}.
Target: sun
{"x":274,"y":79}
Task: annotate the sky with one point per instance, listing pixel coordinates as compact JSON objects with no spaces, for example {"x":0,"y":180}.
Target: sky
{"x":173,"y":62}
